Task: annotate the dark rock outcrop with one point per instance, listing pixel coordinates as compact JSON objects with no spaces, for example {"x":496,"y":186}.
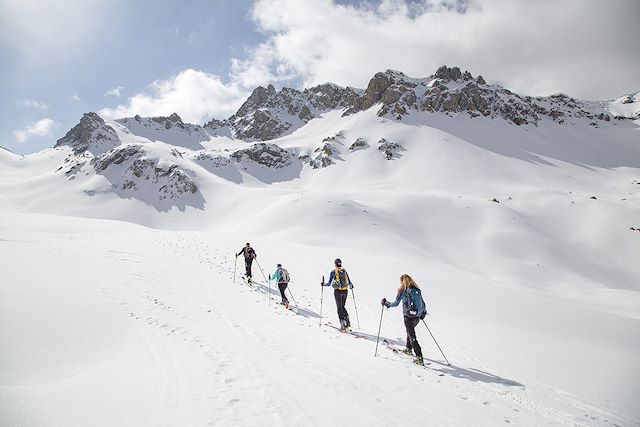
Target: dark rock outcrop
{"x":391,"y":150}
{"x":269,"y":155}
{"x":359,"y":144}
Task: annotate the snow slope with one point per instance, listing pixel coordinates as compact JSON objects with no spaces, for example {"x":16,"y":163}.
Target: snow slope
{"x":118,"y":307}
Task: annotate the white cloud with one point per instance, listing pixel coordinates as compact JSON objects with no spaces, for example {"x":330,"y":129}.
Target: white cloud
{"x":116,"y":91}
{"x":34,"y":104}
{"x":580,"y":47}
{"x":535,"y":48}
{"x":195,"y":95}
{"x":75,"y":98}
{"x":38,"y":129}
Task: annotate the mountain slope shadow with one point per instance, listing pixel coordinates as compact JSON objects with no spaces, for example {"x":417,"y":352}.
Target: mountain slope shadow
{"x":609,"y":146}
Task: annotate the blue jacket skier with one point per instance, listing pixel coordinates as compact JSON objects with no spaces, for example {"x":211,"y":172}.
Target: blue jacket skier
{"x":281,"y":277}
{"x":413,"y":309}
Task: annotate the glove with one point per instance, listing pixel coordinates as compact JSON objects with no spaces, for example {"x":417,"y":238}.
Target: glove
{"x":350,"y":286}
{"x":384,"y":302}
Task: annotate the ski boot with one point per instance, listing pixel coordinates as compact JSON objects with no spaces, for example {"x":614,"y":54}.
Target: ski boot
{"x":419,"y":361}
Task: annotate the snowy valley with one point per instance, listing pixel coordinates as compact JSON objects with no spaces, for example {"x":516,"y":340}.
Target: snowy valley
{"x":518,"y":216}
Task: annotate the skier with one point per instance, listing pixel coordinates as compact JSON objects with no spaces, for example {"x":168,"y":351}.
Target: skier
{"x":414,"y":309}
{"x":281,"y":276}
{"x":249,"y":255}
{"x":339,"y":280}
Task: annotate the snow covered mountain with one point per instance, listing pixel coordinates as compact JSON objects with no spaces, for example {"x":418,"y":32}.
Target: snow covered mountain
{"x":517,"y":215}
{"x":268,"y":113}
{"x":168,"y":170}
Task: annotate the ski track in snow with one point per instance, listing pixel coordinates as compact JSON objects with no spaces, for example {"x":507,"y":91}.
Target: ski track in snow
{"x":225,"y":356}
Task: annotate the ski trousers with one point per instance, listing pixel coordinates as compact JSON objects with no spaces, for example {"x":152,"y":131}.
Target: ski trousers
{"x":341,"y":301}
{"x":283,"y":287}
{"x":410,"y":324}
{"x":247,"y":266}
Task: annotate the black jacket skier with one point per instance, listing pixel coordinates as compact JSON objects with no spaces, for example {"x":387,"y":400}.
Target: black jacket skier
{"x":249,"y":255}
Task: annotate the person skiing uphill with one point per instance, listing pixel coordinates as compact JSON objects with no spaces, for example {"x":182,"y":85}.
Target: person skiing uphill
{"x":281,"y":277}
{"x":413,"y":309}
{"x":249,"y":255}
{"x":339,"y":280}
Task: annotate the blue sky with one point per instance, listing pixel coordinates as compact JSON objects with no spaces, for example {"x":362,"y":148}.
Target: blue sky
{"x":201,"y":58}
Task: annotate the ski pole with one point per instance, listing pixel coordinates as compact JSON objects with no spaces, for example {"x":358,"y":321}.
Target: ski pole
{"x":291,"y":293}
{"x":321,"y":298}
{"x":379,"y":327}
{"x":265,"y":278}
{"x":258,"y":264}
{"x":434,"y":339}
{"x":235,"y":268}
{"x":355,"y":306}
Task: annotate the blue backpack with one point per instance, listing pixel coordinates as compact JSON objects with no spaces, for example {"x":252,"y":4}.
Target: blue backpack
{"x":416,"y":306}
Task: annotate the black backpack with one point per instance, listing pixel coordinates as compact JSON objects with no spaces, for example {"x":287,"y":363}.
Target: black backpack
{"x":340,"y":279}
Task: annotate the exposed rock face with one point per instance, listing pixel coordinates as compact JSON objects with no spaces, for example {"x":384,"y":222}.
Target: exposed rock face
{"x":359,"y":144}
{"x":324,"y":156}
{"x":268,"y":114}
{"x":269,"y":155}
{"x":389,"y":149}
{"x":211,"y":161}
{"x":130,"y":168}
{"x":218,"y":128}
{"x":451,"y":91}
{"x":627,"y":100}
{"x":92,"y":134}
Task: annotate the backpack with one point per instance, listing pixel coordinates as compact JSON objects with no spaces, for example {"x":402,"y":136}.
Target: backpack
{"x":284,"y":276}
{"x":416,"y":306}
{"x":340,"y":279}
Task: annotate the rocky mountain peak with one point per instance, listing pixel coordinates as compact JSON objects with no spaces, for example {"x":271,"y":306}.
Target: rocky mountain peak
{"x":448,"y":74}
{"x":90,"y":134}
{"x":268,"y":113}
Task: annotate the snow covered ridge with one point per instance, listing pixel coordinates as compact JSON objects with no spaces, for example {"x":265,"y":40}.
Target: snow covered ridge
{"x":450,"y":91}
{"x":109,"y":158}
{"x":170,"y":129}
{"x":164,"y":161}
{"x":269,"y":113}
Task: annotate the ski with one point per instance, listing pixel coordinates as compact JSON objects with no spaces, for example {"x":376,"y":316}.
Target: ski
{"x":404,"y":355}
{"x":287,"y":306}
{"x":347,"y":331}
{"x":399,"y":351}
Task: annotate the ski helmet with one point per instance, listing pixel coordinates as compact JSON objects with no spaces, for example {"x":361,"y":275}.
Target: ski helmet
{"x":279,"y":265}
{"x":338,"y":262}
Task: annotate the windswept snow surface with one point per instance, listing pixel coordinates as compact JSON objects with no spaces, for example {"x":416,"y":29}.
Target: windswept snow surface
{"x":114,"y":312}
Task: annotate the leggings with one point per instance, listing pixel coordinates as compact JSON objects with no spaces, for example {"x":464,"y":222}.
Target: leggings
{"x":412,"y":342}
